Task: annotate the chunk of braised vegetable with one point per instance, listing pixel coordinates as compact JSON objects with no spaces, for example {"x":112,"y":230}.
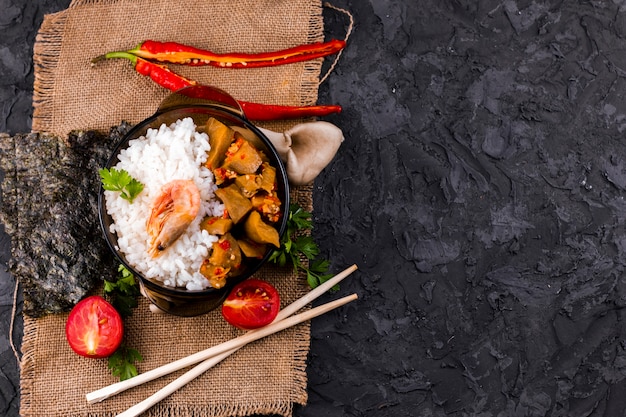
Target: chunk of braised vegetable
{"x":225,"y":259}
{"x":268,"y":205}
{"x":237,"y":205}
{"x":226,"y":253}
{"x":215,"y":274}
{"x":223,"y":175}
{"x":242,"y":157}
{"x":259,"y":231}
{"x":252,"y":249}
{"x":249,"y":184}
{"x":268,"y":177}
{"x":216,"y":225}
{"x":220,"y":138}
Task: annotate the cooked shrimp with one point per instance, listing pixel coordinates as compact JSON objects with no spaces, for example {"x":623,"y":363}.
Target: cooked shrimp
{"x":172,"y":212}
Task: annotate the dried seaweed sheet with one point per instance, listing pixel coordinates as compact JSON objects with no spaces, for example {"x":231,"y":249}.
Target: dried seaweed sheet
{"x":49,"y":210}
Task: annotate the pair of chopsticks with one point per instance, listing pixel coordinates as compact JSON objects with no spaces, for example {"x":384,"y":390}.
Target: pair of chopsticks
{"x":214,"y":355}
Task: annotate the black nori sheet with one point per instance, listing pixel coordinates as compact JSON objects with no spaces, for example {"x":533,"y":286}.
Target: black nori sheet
{"x":49,"y":209}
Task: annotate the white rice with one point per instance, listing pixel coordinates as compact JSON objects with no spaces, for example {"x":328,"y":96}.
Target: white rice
{"x":171,"y":152}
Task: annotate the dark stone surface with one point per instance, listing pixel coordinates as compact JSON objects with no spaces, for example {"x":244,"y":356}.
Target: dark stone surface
{"x":481,"y":192}
{"x":19,"y":22}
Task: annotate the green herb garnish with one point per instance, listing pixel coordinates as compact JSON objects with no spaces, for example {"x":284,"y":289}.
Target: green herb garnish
{"x":122,"y":294}
{"x":295,"y":245}
{"x":120,"y":180}
{"x":122,"y":362}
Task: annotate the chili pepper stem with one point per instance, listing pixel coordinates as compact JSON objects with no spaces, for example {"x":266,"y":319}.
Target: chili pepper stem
{"x":115,"y":54}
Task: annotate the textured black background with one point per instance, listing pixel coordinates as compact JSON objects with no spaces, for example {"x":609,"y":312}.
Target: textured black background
{"x":480,"y":190}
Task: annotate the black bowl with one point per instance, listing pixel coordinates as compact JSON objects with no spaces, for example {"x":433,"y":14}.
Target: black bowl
{"x":192,"y":102}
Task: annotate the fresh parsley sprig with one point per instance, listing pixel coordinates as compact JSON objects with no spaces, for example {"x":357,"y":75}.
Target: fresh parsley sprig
{"x":122,"y":362}
{"x":122,"y":294}
{"x":295,"y":245}
{"x":120,"y":180}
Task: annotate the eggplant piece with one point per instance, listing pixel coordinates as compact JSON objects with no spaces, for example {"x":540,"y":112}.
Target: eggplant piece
{"x":245,"y":159}
{"x":237,"y":205}
{"x":225,"y":259}
{"x":268,"y":205}
{"x":216,"y":225}
{"x":220,"y":139}
{"x":259,"y":231}
{"x":268,"y":177}
{"x":223,"y":175}
{"x":215,"y":274}
{"x":248,"y":184}
{"x":252,"y":249}
{"x":226,"y":253}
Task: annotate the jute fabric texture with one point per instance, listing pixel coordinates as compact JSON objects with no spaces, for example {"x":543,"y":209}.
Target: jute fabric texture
{"x":266,"y":377}
{"x":70,"y":93}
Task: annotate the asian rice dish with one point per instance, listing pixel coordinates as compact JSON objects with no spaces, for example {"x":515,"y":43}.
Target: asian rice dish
{"x":209,"y":204}
{"x":177,"y":151}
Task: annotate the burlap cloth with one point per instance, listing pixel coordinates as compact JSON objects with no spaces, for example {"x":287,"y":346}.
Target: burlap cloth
{"x":266,"y":377}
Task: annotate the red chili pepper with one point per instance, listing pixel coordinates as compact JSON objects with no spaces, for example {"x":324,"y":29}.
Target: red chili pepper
{"x":188,"y":55}
{"x":260,"y":112}
{"x":160,"y":74}
{"x":167,"y":78}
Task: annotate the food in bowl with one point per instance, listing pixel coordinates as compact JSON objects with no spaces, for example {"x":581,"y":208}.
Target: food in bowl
{"x":208,"y":204}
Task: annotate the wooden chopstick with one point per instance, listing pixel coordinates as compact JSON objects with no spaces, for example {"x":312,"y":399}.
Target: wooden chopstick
{"x":217,"y":353}
{"x":175,"y":385}
{"x":207,"y":364}
{"x":196,"y":371}
{"x":245,"y":339}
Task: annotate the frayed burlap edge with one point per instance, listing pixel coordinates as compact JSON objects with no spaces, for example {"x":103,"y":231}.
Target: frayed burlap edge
{"x":27,"y":364}
{"x":46,"y":52}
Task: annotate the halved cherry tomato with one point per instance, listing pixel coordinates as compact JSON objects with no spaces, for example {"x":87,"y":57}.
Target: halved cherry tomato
{"x":251,"y":304}
{"x":94,"y":328}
